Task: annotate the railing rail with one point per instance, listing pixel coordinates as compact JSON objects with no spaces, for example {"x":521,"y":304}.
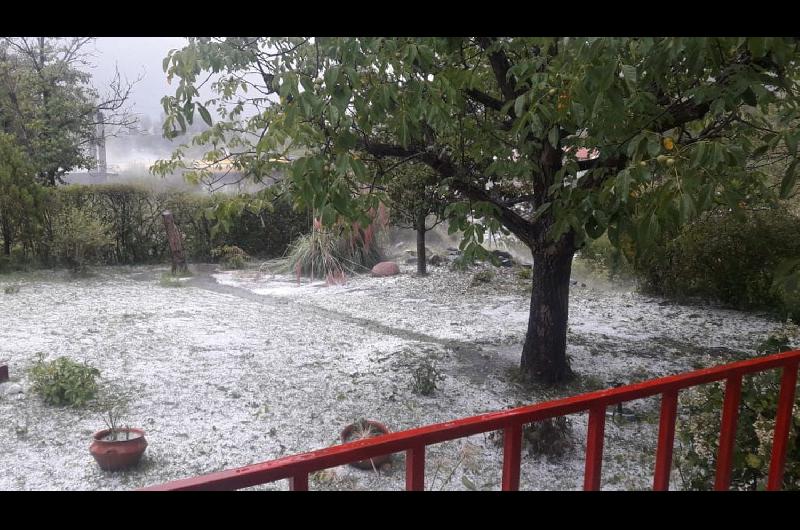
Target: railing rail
{"x":297,"y":468}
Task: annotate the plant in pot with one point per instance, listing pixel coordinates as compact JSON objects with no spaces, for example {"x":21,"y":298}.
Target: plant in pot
{"x":117,"y":448}
{"x":362,"y":430}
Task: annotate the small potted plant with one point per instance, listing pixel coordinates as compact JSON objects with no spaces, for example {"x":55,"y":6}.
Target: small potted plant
{"x":361,"y":430}
{"x":117,"y":448}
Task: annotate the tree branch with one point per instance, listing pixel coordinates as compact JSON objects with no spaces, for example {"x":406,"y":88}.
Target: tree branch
{"x":500,"y":66}
{"x":485,"y":99}
{"x":461,"y":181}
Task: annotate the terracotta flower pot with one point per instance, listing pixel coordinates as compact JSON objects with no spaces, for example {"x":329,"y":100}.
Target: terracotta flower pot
{"x":115,"y":455}
{"x":350,"y":434}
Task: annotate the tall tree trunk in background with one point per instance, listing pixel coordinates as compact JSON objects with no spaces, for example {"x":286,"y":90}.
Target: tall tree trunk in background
{"x":419,"y":225}
{"x":175,"y":244}
{"x":6,"y":226}
{"x":544,"y":355}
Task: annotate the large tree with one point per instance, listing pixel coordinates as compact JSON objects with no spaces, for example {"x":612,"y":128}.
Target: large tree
{"x":47,"y":101}
{"x":552,"y":139}
{"x":20,"y":196}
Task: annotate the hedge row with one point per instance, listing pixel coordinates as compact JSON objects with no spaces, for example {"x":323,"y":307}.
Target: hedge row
{"x":744,"y":261}
{"x":130,"y":219}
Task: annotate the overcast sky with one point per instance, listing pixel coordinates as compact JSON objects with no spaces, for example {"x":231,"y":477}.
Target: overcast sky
{"x":136,"y":56}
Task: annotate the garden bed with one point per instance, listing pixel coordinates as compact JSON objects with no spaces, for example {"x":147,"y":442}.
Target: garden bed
{"x":234,"y":368}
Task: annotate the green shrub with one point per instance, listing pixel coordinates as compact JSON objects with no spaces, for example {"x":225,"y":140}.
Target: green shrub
{"x":786,"y":287}
{"x":131,"y":217}
{"x":605,"y":258}
{"x":699,"y":434}
{"x":80,"y":239}
{"x":480,"y":277}
{"x":425,"y":377}
{"x":461,"y":263}
{"x":230,"y":256}
{"x":17,"y":261}
{"x":729,"y":259}
{"x":525,"y":273}
{"x":170,"y":280}
{"x":63,"y":381}
{"x":551,"y":437}
{"x":699,"y":427}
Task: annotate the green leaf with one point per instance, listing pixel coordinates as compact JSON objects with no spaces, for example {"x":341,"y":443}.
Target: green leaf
{"x":749,"y":98}
{"x":540,"y":210}
{"x":653,"y":145}
{"x":699,"y":154}
{"x":637,"y":144}
{"x":204,"y":114}
{"x":753,"y":461}
{"x":623,"y":184}
{"x":519,"y":105}
{"x":789,"y":180}
{"x":403,"y":132}
{"x":791,"y":142}
{"x":686,"y":208}
{"x":594,"y":228}
{"x":553,"y":136}
{"x":468,"y":483}
{"x":629,"y":73}
{"x":757,"y":46}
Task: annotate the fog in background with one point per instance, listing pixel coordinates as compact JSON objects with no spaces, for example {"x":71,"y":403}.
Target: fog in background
{"x":139,"y":60}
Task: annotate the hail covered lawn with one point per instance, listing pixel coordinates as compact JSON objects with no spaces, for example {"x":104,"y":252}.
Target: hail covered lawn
{"x":237,"y":367}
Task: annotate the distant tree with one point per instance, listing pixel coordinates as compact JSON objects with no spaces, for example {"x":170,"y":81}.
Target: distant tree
{"x":416,"y":201}
{"x":20,"y":195}
{"x":555,"y":139}
{"x":48,"y":103}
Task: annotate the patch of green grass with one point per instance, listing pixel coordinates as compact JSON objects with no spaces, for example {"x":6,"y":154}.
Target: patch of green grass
{"x":525,"y":273}
{"x":480,"y":277}
{"x":170,"y":280}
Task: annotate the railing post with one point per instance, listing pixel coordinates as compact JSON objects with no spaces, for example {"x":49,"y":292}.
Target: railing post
{"x":666,"y":439}
{"x":727,"y":434}
{"x":299,"y":482}
{"x":594,"y":447}
{"x":415,"y":468}
{"x":783,"y":422}
{"x":512,"y":449}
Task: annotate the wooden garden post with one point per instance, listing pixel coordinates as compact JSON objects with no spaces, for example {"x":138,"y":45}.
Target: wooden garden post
{"x":175,"y":243}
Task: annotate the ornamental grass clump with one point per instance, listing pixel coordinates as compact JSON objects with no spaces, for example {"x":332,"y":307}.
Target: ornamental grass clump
{"x":331,"y":253}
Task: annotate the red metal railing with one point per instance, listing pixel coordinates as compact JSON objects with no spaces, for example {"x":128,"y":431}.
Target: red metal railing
{"x":296,"y":468}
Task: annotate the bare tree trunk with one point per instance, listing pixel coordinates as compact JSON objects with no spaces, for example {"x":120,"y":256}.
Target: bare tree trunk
{"x":6,"y":237}
{"x":175,"y":244}
{"x":422,"y":264}
{"x":544,"y":355}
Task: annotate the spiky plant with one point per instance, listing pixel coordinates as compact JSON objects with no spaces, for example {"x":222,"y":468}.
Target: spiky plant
{"x":331,"y":253}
